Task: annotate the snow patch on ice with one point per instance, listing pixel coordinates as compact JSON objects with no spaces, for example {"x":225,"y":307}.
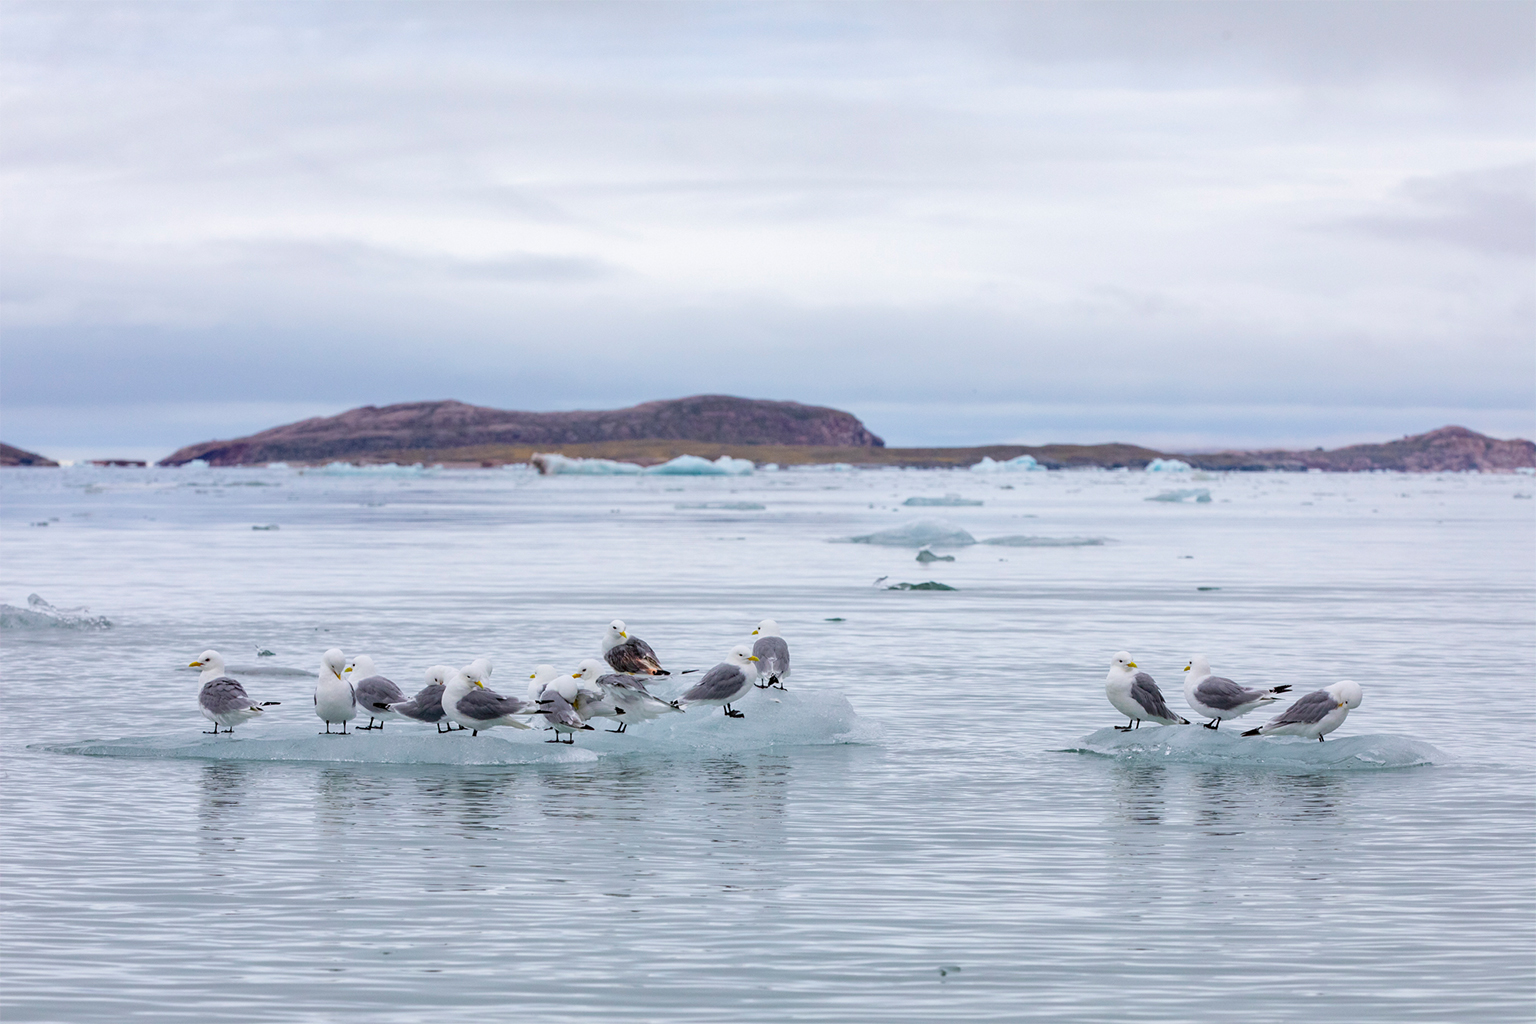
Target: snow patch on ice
{"x":1185,"y":744}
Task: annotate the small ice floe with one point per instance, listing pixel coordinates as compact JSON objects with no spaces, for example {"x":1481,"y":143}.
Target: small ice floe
{"x":919,"y":534}
{"x":930,"y":585}
{"x":1026,"y":541}
{"x":723,"y":506}
{"x":949,"y":500}
{"x":39,"y":614}
{"x":1168,"y":466}
{"x":367,"y":469}
{"x":925,"y":556}
{"x":268,"y":526}
{"x":693,"y":465}
{"x":559,"y":465}
{"x":1200,"y":494}
{"x":1024,"y":463}
{"x":1177,"y":745}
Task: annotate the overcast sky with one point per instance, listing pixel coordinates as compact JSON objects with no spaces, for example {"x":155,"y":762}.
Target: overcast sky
{"x":1186,"y":225}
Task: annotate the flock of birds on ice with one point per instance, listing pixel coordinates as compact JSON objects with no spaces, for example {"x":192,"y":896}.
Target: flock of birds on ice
{"x":615,"y":688}
{"x":459,"y":699}
{"x":1135,"y":695}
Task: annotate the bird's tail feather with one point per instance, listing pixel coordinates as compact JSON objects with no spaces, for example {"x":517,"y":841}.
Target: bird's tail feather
{"x":1254,"y":732}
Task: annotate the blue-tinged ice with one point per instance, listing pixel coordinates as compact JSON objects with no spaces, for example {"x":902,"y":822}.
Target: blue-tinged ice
{"x":39,"y":614}
{"x":787,"y":718}
{"x":367,"y":469}
{"x":560,"y":465}
{"x":1186,"y":744}
{"x":1168,"y":466}
{"x":693,"y":465}
{"x":1025,"y":463}
{"x":1200,"y":494}
{"x":921,"y":533}
{"x":1026,"y":541}
{"x":947,"y":500}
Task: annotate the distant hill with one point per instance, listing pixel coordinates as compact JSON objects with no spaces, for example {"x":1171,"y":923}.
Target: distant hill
{"x":370,"y":432}
{"x":10,"y":455}
{"x":1449,"y":449}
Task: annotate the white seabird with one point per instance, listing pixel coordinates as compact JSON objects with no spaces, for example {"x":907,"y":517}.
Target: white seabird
{"x":557,"y":703}
{"x":772,"y":654}
{"x":629,"y":654}
{"x":629,"y":696}
{"x":1218,"y":698}
{"x":374,"y":693}
{"x":1317,"y":714}
{"x":220,"y":698}
{"x":468,"y":702}
{"x":1136,"y":696}
{"x":335,"y":703}
{"x":728,"y":681}
{"x":592,"y":699}
{"x":427,"y":705}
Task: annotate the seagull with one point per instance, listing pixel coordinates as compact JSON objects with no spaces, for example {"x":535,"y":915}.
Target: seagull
{"x":470,"y":703}
{"x":557,"y":703}
{"x":629,"y":654}
{"x":1219,"y":699}
{"x":591,"y":699}
{"x":374,"y":693}
{"x":334,"y":700}
{"x":730,"y":680}
{"x":1317,"y":714}
{"x":427,"y":705}
{"x":628,"y":694}
{"x":222,"y":700}
{"x":1136,"y":696}
{"x":772,"y":654}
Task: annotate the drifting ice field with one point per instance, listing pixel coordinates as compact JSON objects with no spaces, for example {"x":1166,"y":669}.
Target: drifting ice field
{"x":935,"y":821}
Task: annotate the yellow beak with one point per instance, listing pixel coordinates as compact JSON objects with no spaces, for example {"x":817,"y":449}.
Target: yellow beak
{"x":754,"y":632}
{"x":752,"y":657}
{"x":347,"y":669}
{"x":195,"y":664}
{"x":624,"y":635}
{"x":1186,"y":668}
{"x":1130,"y":664}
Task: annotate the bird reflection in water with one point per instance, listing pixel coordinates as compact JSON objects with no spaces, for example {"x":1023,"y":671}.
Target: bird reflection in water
{"x":222,"y":792}
{"x":1139,"y":793}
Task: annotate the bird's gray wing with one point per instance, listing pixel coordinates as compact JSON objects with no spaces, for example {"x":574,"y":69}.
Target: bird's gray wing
{"x":1144,"y":692}
{"x":1311,"y":708}
{"x":483,"y":705}
{"x":772,"y":655}
{"x":377,"y":690}
{"x":426,"y":706}
{"x":1224,"y":694}
{"x":635,"y":657}
{"x":557,"y":709}
{"x":718,"y":683}
{"x":222,"y":695}
{"x":622,"y":681}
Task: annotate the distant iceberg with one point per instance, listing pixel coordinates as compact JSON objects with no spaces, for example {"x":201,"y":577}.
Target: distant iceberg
{"x":693,"y":465}
{"x":39,"y":614}
{"x":1025,"y":463}
{"x":1168,"y":466}
{"x":1200,"y":494}
{"x":947,"y":500}
{"x":559,"y":465}
{"x":920,"y":534}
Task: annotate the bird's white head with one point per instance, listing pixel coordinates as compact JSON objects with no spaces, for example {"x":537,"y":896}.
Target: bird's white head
{"x":1347,"y":691}
{"x":544,"y":673}
{"x":334,"y":662}
{"x":766,"y":628}
{"x":472,"y":674}
{"x":590,"y":668}
{"x":437,"y":675}
{"x":362,"y":667}
{"x":616,"y":628}
{"x":566,"y":687}
{"x":1123,"y":661}
{"x":741,"y":654}
{"x":483,"y":666}
{"x":208,"y":660}
{"x":1199,"y":665}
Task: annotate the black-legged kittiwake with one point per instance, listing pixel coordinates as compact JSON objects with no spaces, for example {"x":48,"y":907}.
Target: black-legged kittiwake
{"x":1316,"y":714}
{"x":335,"y":703}
{"x":625,"y":653}
{"x":221,"y":699}
{"x":1136,"y":696}
{"x":1218,"y":698}
{"x":772,"y":655}
{"x":373,"y":692}
{"x":728,"y":681}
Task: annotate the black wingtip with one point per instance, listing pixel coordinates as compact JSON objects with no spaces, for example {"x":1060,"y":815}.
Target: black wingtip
{"x":661,"y":672}
{"x":1253,"y":732}
{"x":270,"y":703}
{"x":1282,"y":688}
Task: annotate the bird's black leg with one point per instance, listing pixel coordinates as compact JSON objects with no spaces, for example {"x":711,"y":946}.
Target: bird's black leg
{"x":1319,"y":739}
{"x":1138,"y":723}
{"x":730,"y":713}
{"x":474,"y":732}
{"x":1124,"y":728}
{"x":622,"y":726}
{"x":1212,"y":724}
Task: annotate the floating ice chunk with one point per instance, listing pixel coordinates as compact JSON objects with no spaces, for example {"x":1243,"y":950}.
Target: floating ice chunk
{"x":1025,"y":463}
{"x":693,"y":465}
{"x":1179,"y":744}
{"x":1527,"y":470}
{"x":947,"y":500}
{"x":270,"y":465}
{"x":1168,"y":466}
{"x":1200,"y":494}
{"x":930,"y":585}
{"x":368,"y":469}
{"x":729,"y":506}
{"x":921,"y":533}
{"x":796,"y":717}
{"x":1025,"y":541}
{"x":269,"y":526}
{"x":925,"y":556}
{"x":559,"y":465}
{"x":39,"y":614}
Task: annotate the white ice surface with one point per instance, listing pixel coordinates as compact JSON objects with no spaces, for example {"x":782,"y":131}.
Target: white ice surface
{"x":1184,"y":744}
{"x":920,"y":533}
{"x":693,"y":465}
{"x":1024,"y":463}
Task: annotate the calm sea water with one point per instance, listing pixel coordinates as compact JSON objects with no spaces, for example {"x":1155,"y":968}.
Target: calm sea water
{"x":933,"y":822}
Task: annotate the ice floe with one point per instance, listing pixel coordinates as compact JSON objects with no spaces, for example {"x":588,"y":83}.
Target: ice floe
{"x":727,"y":506}
{"x":1026,"y":541}
{"x":1025,"y":463}
{"x":693,"y":465}
{"x":559,"y":465}
{"x":1168,"y":466}
{"x":946,"y":501}
{"x":39,"y":614}
{"x":784,"y":719}
{"x":1200,"y":494}
{"x":921,"y":533}
{"x":1178,"y":744}
{"x":367,"y":469}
